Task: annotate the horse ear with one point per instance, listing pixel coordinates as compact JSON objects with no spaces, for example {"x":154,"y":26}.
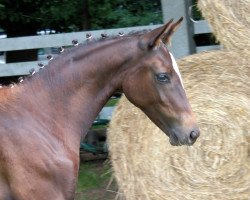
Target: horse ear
{"x":167,"y":35}
{"x":152,"y":39}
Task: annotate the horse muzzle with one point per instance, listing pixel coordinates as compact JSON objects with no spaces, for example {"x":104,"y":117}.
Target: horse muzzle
{"x":178,"y":138}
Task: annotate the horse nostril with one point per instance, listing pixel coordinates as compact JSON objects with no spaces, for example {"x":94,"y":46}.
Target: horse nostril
{"x":194,"y":135}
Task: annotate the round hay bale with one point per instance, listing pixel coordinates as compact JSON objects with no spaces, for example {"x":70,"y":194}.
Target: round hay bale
{"x":231,"y":23}
{"x":217,"y":167}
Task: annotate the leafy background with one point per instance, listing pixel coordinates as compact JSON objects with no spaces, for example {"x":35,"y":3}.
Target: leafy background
{"x":26,"y":17}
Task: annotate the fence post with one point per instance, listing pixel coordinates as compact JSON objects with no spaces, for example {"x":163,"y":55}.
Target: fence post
{"x":182,"y":41}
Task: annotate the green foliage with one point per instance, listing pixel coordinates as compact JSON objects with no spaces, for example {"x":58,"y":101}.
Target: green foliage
{"x":67,"y":15}
{"x":90,"y":178}
{"x":40,"y":14}
{"x":197,"y":15}
{"x":62,"y":16}
{"x":123,"y":13}
{"x":112,"y":102}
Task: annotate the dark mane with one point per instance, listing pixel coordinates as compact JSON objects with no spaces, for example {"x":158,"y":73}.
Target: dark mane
{"x":87,"y":42}
{"x":112,"y":37}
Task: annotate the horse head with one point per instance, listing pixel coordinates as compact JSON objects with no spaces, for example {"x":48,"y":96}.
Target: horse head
{"x":155,"y":86}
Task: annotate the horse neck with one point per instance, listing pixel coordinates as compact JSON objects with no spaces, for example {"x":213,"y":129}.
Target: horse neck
{"x":75,"y":86}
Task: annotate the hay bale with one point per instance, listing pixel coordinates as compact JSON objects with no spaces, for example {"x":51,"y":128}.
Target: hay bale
{"x":217,"y":167}
{"x":230,"y":21}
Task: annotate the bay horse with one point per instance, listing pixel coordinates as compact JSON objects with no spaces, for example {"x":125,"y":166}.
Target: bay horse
{"x":43,"y":118}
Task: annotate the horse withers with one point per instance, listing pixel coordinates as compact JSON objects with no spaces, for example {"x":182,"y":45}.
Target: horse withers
{"x":43,"y":118}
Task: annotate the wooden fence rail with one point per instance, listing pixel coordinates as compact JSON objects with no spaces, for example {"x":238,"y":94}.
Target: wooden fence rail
{"x":47,"y":41}
{"x":65,"y":39}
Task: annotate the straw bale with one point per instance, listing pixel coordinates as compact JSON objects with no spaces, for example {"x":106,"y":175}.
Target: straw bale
{"x":230,"y":21}
{"x":217,"y":167}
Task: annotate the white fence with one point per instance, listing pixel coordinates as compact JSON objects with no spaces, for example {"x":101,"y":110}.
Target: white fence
{"x":65,"y":39}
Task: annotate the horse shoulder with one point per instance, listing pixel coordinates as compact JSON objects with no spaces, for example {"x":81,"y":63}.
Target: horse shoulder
{"x":47,"y":166}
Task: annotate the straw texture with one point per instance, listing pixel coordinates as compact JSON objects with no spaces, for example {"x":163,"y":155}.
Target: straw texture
{"x":217,"y":167}
{"x":217,"y":83}
{"x":230,"y":22}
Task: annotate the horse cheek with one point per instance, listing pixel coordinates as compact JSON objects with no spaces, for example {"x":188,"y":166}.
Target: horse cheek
{"x":136,"y":92}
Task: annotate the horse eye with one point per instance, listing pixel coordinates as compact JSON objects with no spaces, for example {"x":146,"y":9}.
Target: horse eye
{"x":163,"y":77}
